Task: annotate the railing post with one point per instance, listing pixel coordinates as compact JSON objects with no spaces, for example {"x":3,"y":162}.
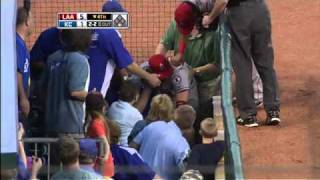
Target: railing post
{"x":233,"y":163}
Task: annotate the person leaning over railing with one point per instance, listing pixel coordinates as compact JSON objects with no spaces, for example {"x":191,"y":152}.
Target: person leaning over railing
{"x":199,"y":48}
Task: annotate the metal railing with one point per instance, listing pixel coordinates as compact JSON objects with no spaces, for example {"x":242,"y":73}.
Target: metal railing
{"x":48,"y":142}
{"x":233,"y":160}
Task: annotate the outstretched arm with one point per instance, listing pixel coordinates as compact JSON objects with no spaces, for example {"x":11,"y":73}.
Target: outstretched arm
{"x":152,"y":79}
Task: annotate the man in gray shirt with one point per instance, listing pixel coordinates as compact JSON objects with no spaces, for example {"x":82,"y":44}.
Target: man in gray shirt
{"x":67,"y":81}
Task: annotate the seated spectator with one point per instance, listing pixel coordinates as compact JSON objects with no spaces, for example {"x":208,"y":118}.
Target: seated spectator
{"x":161,"y":110}
{"x":163,"y":147}
{"x":97,"y":127}
{"x":88,"y":155}
{"x":128,"y":162}
{"x":186,"y":114}
{"x":67,"y":85}
{"x":69,"y":152}
{"x":123,"y":112}
{"x":205,"y":157}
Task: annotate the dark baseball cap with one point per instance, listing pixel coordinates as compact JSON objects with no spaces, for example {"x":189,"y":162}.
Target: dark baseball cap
{"x":112,"y":6}
{"x":88,"y":147}
{"x":159,"y":65}
{"x":185,"y":17}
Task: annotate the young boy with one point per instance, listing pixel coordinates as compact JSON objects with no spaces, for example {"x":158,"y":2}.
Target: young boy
{"x":205,"y":157}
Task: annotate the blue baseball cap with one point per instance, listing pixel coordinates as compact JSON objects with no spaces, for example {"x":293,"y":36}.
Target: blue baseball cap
{"x":88,"y":147}
{"x":112,"y":6}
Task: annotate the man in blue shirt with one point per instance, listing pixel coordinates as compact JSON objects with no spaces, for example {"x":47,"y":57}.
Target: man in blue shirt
{"x":163,"y":147}
{"x":106,"y":53}
{"x":23,"y":59}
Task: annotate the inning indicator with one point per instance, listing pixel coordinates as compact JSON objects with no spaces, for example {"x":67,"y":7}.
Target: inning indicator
{"x":93,"y":20}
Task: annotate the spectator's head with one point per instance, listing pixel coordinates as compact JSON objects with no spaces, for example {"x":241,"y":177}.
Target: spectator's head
{"x":186,"y":16}
{"x":24,"y":21}
{"x":96,"y":102}
{"x":128,"y":92}
{"x":159,"y":65}
{"x":115,"y":133}
{"x":112,"y":6}
{"x":161,"y":108}
{"x":69,"y":151}
{"x":75,"y":39}
{"x":185,"y":116}
{"x":88,"y":151}
{"x":208,"y":128}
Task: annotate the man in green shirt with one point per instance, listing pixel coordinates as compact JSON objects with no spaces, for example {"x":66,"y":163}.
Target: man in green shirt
{"x":202,"y":54}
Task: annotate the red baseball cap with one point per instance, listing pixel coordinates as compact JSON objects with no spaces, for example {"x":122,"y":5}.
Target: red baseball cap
{"x":185,"y":18}
{"x":159,"y":65}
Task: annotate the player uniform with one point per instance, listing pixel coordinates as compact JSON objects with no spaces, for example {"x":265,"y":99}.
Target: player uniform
{"x":183,"y":80}
{"x":106,"y":52}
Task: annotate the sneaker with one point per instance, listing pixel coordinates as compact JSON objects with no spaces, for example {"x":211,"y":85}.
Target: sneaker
{"x":251,"y":121}
{"x":273,"y":118}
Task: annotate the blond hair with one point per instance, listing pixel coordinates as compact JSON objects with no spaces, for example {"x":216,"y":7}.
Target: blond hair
{"x":161,"y":108}
{"x":208,"y":128}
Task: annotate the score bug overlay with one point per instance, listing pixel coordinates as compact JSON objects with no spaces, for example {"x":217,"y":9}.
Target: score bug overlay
{"x":93,"y":20}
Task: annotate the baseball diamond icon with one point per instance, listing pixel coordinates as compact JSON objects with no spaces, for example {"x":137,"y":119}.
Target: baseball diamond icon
{"x":120,"y":21}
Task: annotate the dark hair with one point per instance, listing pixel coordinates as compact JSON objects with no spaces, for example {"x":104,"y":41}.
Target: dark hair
{"x":22,"y":16}
{"x":86,"y":159}
{"x":128,"y":91}
{"x":69,"y":150}
{"x":95,"y":102}
{"x":76,"y":39}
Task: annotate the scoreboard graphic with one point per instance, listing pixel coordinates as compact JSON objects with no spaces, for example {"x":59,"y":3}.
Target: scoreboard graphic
{"x":93,"y":20}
